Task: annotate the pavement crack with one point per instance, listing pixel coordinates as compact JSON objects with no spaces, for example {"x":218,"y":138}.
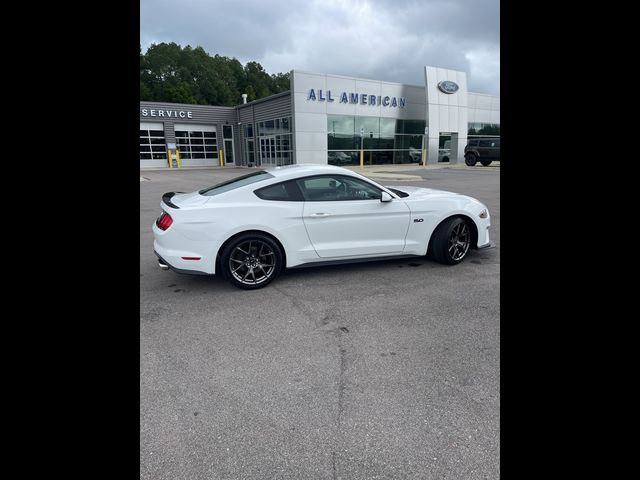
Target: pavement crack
{"x":296,"y":304}
{"x":341,"y":387}
{"x":341,"y":382}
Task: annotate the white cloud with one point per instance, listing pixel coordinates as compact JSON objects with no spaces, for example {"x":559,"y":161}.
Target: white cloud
{"x":380,"y":39}
{"x":484,"y":68}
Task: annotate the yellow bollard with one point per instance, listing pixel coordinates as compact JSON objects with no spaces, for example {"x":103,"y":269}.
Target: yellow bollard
{"x":178,"y":158}
{"x":424,"y":157}
{"x":221,"y":158}
{"x":169,"y":157}
{"x":362,"y":159}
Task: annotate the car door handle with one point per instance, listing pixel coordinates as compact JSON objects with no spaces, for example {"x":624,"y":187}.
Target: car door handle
{"x":318,"y":215}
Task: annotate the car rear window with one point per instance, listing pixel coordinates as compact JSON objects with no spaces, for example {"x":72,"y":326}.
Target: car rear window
{"x":236,"y":183}
{"x":283,"y":192}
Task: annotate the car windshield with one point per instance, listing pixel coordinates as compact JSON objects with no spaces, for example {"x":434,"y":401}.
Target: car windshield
{"x":400,"y":193}
{"x":236,"y":183}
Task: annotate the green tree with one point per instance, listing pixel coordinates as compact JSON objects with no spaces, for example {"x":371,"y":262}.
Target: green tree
{"x":260,"y":80}
{"x":171,"y":73}
{"x":281,"y":82}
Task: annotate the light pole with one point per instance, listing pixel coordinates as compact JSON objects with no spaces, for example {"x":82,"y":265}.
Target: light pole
{"x":425,"y":145}
{"x":361,"y":148}
{"x":333,"y":128}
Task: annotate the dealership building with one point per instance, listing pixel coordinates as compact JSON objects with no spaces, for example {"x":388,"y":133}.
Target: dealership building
{"x":324,"y":119}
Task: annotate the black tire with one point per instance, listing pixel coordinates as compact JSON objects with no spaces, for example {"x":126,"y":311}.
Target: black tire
{"x":251,"y":261}
{"x":470,"y":159}
{"x":485,"y":163}
{"x":450,"y":231}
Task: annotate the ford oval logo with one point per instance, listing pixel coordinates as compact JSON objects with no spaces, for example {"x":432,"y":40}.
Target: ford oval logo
{"x":447,"y":86}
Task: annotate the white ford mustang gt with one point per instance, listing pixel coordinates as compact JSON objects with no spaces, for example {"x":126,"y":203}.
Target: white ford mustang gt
{"x":250,"y":228}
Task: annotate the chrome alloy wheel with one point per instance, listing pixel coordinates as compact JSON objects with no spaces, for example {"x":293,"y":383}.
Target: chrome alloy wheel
{"x":459,"y":241}
{"x":252,"y":262}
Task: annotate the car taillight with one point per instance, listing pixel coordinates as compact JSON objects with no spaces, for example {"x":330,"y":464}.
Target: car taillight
{"x":164,"y":221}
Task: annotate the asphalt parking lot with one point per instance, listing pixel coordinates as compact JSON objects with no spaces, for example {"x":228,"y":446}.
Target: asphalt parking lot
{"x":382,"y":370}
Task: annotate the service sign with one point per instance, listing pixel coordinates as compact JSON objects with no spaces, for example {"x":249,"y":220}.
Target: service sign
{"x":153,"y":112}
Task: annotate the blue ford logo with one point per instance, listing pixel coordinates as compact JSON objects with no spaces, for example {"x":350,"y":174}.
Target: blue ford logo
{"x":447,"y":86}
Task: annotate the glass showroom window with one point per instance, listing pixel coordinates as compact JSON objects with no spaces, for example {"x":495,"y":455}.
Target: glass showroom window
{"x":476,"y":128}
{"x":249,"y":145}
{"x":274,"y":143}
{"x":152,"y":145}
{"x":385,"y":140}
{"x":197,"y":144}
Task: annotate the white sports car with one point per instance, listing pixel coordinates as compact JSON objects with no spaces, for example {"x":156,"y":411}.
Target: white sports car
{"x":250,"y":228}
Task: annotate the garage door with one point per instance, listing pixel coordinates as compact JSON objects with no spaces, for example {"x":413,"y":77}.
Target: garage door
{"x":198,"y":144}
{"x":153,"y":149}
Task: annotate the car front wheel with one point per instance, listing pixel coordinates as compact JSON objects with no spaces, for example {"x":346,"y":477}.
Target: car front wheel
{"x":470,"y":159}
{"x":251,"y":261}
{"x":451,"y":241}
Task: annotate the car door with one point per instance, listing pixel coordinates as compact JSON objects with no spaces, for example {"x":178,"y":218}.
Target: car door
{"x":484,"y":149}
{"x":344,"y":217}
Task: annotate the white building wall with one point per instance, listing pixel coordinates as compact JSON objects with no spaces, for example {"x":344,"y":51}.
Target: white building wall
{"x":443,"y":112}
{"x":310,"y":116}
{"x":446,"y":112}
{"x":484,"y":108}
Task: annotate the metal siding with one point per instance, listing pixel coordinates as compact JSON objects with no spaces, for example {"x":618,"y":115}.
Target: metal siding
{"x":267,"y":110}
{"x":169,"y":133}
{"x":207,"y":114}
{"x":245,"y":115}
{"x":253,"y":112}
{"x":276,"y":108}
{"x":258,"y":112}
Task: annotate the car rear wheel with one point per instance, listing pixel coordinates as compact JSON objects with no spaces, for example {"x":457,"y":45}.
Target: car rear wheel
{"x":470,"y":159}
{"x":451,"y":241}
{"x":485,"y":163}
{"x":251,"y":261}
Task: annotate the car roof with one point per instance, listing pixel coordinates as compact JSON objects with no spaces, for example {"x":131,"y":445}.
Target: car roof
{"x":302,"y":169}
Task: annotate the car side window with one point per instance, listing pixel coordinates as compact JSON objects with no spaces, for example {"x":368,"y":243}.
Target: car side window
{"x":330,"y":188}
{"x":485,"y":143}
{"x":283,"y":192}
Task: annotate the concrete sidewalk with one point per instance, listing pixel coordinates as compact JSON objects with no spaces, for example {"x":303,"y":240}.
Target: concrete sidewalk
{"x":397,"y":172}
{"x":381,"y":172}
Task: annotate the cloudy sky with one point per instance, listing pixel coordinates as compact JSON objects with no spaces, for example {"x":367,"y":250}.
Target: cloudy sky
{"x":379,"y":39}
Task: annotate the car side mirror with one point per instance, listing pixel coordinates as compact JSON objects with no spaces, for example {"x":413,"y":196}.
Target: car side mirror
{"x":386,"y":197}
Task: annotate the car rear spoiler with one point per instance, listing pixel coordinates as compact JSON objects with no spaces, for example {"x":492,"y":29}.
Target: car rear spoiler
{"x":166,"y":198}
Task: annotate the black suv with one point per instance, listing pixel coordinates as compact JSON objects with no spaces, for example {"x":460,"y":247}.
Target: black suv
{"x":484,"y":149}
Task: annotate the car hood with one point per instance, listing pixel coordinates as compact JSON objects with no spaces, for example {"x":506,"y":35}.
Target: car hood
{"x":421,"y":193}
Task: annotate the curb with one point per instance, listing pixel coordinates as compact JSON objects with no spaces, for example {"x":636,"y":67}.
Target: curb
{"x":375,"y":172}
{"x":391,"y":176}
